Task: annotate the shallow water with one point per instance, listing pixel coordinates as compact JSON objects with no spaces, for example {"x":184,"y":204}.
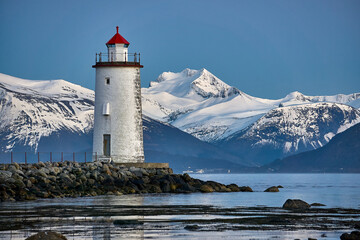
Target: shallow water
{"x":334,"y":190}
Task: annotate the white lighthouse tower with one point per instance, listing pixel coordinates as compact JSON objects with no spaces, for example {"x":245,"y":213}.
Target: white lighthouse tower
{"x":118,"y":132}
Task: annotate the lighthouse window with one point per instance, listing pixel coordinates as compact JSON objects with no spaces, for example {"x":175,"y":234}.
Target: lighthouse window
{"x":107,"y":80}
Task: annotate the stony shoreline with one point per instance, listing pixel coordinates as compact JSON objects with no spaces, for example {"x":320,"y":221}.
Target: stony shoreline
{"x":20,"y":182}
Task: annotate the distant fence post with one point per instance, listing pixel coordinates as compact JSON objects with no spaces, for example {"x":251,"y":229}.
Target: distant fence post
{"x":62,"y":156}
{"x":73,"y":156}
{"x":25,"y":158}
{"x":85,"y":157}
{"x":12,"y":158}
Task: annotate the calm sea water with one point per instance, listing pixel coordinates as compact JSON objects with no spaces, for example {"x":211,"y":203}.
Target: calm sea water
{"x":333,"y":190}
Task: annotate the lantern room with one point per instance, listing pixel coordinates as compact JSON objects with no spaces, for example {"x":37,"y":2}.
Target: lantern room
{"x":117,"y":48}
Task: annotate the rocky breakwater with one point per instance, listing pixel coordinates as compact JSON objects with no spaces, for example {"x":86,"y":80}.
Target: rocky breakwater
{"x":20,"y":182}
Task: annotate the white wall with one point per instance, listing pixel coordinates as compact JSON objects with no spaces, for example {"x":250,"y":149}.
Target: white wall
{"x":124,"y":123}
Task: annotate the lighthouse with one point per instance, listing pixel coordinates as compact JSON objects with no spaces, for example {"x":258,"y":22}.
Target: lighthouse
{"x":118,"y":132}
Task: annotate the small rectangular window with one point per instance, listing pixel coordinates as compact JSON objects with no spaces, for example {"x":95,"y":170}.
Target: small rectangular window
{"x":107,"y":80}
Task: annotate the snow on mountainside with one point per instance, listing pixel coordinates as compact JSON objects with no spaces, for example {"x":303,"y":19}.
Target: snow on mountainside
{"x":287,"y":130}
{"x":57,"y":116}
{"x":32,"y":109}
{"x":201,"y":104}
{"x":194,"y":101}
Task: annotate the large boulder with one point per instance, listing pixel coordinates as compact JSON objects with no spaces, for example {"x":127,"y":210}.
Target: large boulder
{"x":5,"y":175}
{"x":355,"y":235}
{"x":47,"y":236}
{"x":272,"y":189}
{"x":246,"y":189}
{"x":206,"y":188}
{"x":296,"y":204}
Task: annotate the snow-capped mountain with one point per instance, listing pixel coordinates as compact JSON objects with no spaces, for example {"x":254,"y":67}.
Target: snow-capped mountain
{"x":287,"y":130}
{"x":30,"y":110}
{"x":57,"y":116}
{"x":199,"y":103}
{"x":40,"y":113}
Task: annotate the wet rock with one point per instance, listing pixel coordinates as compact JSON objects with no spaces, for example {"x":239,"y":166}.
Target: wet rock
{"x":187,"y":177}
{"x":355,"y":235}
{"x":106,"y":169}
{"x":41,"y":164}
{"x":246,"y":189}
{"x":4,"y":175}
{"x":154,"y":189}
{"x":68,"y":179}
{"x":47,"y":236}
{"x":41,"y":173}
{"x":192,"y":227}
{"x":128,"y":222}
{"x":206,"y":188}
{"x":233,"y":187}
{"x":312,"y":238}
{"x":317,"y":205}
{"x":357,"y":226}
{"x":16,"y":165}
{"x":165,"y":187}
{"x":296,"y":204}
{"x":188,"y":188}
{"x":272,"y":189}
{"x":12,"y":168}
{"x":18,"y":183}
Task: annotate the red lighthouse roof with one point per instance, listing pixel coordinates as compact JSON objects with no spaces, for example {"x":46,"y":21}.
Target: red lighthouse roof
{"x":117,"y":38}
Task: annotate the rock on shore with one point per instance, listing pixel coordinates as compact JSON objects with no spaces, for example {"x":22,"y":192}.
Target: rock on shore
{"x":296,"y":204}
{"x":67,"y":179}
{"x":47,"y":236}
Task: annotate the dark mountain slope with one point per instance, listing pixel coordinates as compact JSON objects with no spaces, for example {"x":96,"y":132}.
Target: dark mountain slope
{"x":341,"y":154}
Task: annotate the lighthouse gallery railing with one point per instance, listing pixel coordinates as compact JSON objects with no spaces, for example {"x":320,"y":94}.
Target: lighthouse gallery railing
{"x":117,"y":57}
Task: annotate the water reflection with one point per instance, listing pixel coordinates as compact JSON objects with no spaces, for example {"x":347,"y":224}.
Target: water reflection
{"x":109,"y":230}
{"x":93,"y":217}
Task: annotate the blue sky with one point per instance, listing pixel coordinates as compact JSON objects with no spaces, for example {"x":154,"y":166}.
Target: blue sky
{"x":264,"y":48}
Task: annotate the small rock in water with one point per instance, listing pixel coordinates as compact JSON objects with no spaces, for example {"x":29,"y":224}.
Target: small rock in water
{"x":317,"y":205}
{"x":355,"y":235}
{"x":312,"y":238}
{"x":191,"y":227}
{"x":272,"y":189}
{"x":246,"y":189}
{"x":127,"y":222}
{"x":47,"y":236}
{"x":357,"y":226}
{"x":296,"y":204}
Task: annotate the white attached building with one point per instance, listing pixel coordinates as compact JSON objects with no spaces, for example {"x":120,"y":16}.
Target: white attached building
{"x":118,"y":132}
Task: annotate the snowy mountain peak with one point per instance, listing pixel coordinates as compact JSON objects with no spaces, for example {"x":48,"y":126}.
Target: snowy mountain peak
{"x":49,"y":88}
{"x":32,"y":109}
{"x":207,"y":85}
{"x":297,"y":96}
{"x":192,"y":83}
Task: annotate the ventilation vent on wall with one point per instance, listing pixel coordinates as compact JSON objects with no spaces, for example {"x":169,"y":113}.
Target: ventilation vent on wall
{"x":106,"y":109}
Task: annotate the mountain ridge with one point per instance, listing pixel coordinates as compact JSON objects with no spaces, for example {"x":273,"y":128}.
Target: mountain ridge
{"x":330,"y":158}
{"x":217,"y":115}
